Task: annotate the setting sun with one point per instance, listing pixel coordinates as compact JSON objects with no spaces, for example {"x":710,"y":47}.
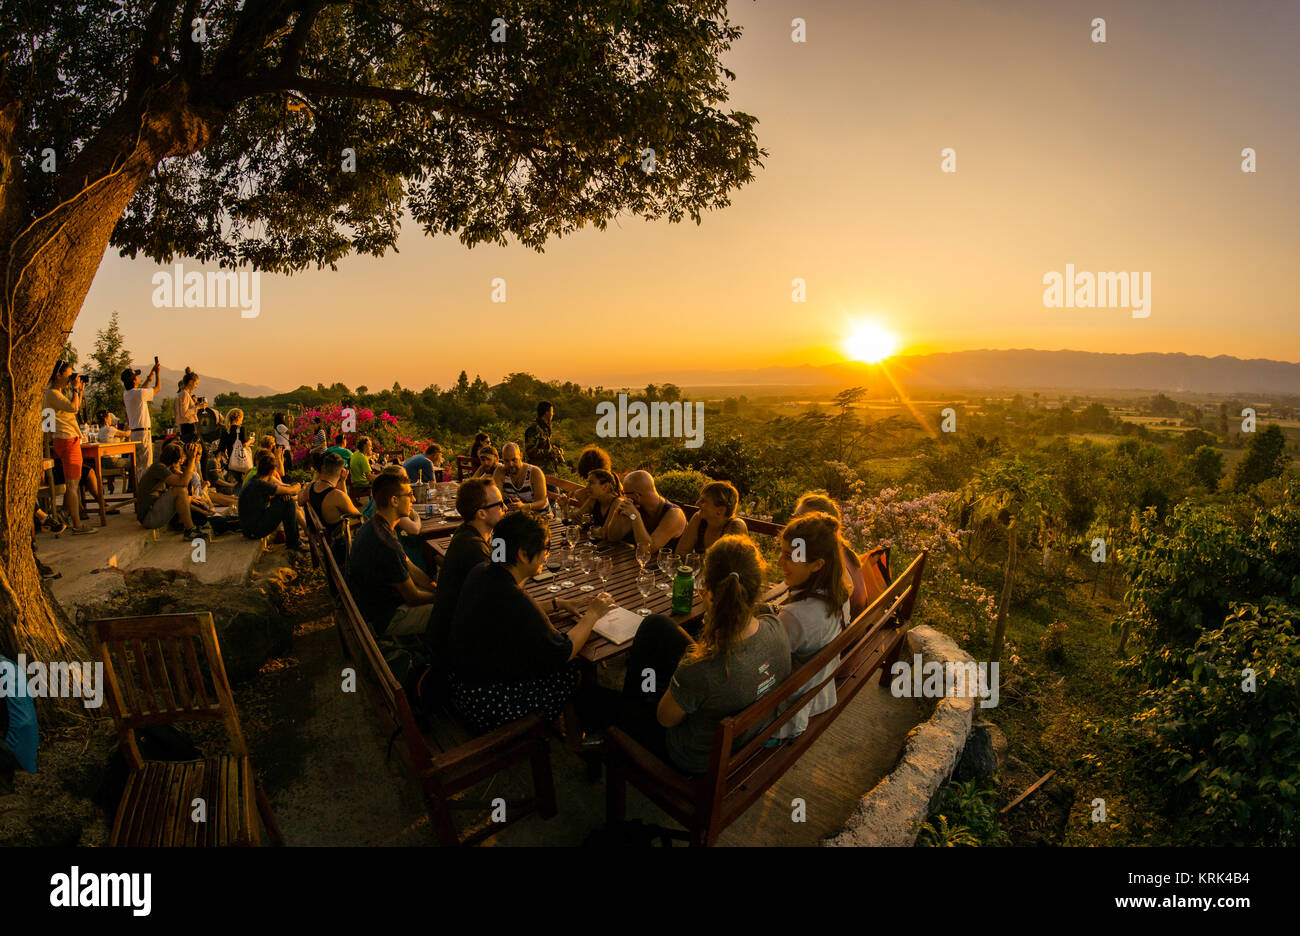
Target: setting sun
{"x":870,"y":343}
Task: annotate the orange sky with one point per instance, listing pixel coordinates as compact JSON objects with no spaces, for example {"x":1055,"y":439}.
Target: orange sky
{"x":1123,"y":156}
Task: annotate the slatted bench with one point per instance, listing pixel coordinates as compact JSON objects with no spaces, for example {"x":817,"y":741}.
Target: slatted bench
{"x":707,"y":804}
{"x":449,"y":759}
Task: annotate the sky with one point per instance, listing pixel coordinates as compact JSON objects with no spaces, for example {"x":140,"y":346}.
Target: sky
{"x":1122,"y":156}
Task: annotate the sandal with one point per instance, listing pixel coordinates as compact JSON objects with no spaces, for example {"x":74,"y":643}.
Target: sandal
{"x":55,"y":526}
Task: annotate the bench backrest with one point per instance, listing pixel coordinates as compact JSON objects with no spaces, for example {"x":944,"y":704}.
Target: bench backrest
{"x":860,"y":647}
{"x":387,"y":691}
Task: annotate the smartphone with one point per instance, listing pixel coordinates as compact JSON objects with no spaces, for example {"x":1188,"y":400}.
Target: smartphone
{"x":543,"y":576}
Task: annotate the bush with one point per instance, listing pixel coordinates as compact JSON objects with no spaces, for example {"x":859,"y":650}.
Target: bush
{"x":682,"y":487}
{"x":967,"y":814}
{"x":1229,"y":750}
{"x":1053,"y":642}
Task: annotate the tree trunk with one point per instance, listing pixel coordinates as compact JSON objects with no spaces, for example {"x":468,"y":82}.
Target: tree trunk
{"x":1004,"y":602}
{"x":47,"y":264}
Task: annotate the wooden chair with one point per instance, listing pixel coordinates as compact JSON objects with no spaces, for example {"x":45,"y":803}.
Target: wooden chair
{"x":747,"y":759}
{"x":155,"y":676}
{"x":464,"y":465}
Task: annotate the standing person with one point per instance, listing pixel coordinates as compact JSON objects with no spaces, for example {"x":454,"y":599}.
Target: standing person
{"x":480,"y":505}
{"x":521,"y":484}
{"x":265,"y":504}
{"x":538,"y":447}
{"x":741,"y":655}
{"x":507,"y":658}
{"x":318,"y":441}
{"x":135,"y":398}
{"x":282,"y":440}
{"x":187,"y":407}
{"x":816,"y":607}
{"x":63,"y":395}
{"x":393,"y":594}
{"x":715,"y":518}
{"x":234,"y":446}
{"x":644,"y":517}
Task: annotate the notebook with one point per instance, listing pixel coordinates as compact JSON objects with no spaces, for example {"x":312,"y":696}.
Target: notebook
{"x":618,"y":625}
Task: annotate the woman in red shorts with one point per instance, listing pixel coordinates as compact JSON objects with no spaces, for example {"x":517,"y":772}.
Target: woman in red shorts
{"x":63,"y":396}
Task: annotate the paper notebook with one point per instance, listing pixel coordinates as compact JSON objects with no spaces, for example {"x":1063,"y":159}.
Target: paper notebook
{"x":619,"y":625}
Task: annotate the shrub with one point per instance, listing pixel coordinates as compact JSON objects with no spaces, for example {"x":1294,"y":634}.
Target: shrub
{"x":967,"y":814}
{"x":1053,"y":642}
{"x":682,"y":487}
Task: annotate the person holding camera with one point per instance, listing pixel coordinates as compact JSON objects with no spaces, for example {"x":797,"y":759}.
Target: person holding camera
{"x":63,"y":395}
{"x":135,"y":398}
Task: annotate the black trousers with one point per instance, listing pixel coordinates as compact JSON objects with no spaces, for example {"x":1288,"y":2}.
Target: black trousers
{"x":279,"y":510}
{"x":656,"y":650}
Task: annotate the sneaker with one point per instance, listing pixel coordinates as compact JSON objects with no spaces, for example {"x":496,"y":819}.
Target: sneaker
{"x":84,"y":531}
{"x":195,"y":533}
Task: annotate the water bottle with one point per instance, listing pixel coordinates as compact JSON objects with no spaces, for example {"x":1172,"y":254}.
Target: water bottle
{"x":683,"y":590}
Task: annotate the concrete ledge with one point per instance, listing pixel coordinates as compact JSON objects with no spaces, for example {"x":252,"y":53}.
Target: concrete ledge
{"x":893,"y":811}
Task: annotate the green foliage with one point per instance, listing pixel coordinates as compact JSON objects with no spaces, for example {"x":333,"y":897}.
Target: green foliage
{"x":682,"y":487}
{"x":1228,"y":751}
{"x":105,"y":378}
{"x":726,"y":459}
{"x":1053,"y":642}
{"x":1206,"y":466}
{"x":1265,"y":458}
{"x":966,"y":815}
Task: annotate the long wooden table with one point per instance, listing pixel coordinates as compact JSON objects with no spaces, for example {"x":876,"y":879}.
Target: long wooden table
{"x":95,"y":451}
{"x":621,"y":585}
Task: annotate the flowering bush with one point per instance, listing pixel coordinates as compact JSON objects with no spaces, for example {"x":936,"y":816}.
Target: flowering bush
{"x":381,"y":428}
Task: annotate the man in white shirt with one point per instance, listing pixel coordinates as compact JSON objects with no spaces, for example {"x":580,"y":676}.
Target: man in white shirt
{"x":137,"y":397}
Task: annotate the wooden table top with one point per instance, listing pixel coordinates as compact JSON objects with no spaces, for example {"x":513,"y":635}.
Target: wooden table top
{"x":621,"y":585}
{"x":109,"y":448}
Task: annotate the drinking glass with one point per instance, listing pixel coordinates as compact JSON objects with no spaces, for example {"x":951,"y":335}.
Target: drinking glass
{"x":643,"y":556}
{"x":695,"y":561}
{"x":645,"y":584}
{"x":604,"y":568}
{"x":554,"y":562}
{"x":666,"y":566}
{"x":586,"y":562}
{"x":571,"y":535}
{"x":567,"y":558}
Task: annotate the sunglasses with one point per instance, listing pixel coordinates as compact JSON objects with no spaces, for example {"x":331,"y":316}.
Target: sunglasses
{"x":499,"y":503}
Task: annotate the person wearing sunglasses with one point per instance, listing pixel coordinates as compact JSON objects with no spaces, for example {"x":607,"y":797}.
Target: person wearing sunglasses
{"x":480,"y":505}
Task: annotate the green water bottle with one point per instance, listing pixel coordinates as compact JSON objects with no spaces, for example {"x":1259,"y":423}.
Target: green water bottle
{"x":683,"y":590}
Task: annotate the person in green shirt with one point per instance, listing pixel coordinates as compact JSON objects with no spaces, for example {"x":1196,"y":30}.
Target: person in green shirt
{"x":359,"y":463}
{"x":338,"y":449}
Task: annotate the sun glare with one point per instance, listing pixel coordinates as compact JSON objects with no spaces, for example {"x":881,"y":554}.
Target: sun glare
{"x":871,"y":343}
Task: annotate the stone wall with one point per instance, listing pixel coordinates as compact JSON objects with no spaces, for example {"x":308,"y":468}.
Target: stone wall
{"x":893,"y":811}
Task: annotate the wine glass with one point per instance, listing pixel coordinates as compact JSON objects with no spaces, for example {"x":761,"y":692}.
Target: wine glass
{"x":645,"y":584}
{"x":554,"y":563}
{"x":695,"y":561}
{"x":666,"y":566}
{"x":643,"y":556}
{"x":586,"y":562}
{"x":571,"y":535}
{"x":567,"y":560}
{"x":604,"y":568}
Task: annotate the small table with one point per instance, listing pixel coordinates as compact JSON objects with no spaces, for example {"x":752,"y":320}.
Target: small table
{"x":97,"y":451}
{"x":621,"y":586}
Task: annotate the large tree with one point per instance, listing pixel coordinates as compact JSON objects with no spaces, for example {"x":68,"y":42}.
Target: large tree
{"x":285,"y":135}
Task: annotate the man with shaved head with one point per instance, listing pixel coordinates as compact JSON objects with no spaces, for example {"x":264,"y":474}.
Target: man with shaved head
{"x":644,"y":517}
{"x":521,"y":484}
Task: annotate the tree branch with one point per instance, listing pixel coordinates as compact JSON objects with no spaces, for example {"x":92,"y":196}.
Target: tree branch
{"x":154,"y":45}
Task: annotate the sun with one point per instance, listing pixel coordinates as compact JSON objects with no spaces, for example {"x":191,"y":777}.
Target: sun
{"x":870,"y":343}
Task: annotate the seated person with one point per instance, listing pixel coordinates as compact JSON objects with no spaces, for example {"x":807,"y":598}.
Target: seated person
{"x":507,"y":659}
{"x":820,"y":502}
{"x":715,"y":519}
{"x":265,"y":503}
{"x":740,"y":655}
{"x":106,"y":430}
{"x":604,"y":491}
{"x":393,"y":594}
{"x":331,"y":503}
{"x":591,"y":458}
{"x":338,"y":449}
{"x":480,"y":506}
{"x":163,"y":491}
{"x":521,"y":484}
{"x":487,"y":463}
{"x":359,"y":464}
{"x":645,"y":518}
{"x":816,"y":607}
{"x":480,"y":440}
{"x":425,"y":466}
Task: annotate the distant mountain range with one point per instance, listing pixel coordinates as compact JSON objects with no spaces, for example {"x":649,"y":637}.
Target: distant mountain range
{"x":208,"y":386}
{"x":1023,"y":370}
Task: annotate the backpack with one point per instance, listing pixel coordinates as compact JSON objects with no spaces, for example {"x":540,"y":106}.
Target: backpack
{"x":239,"y":459}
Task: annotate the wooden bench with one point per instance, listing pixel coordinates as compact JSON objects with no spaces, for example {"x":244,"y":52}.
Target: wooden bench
{"x":154,"y":677}
{"x":707,"y":804}
{"x":449,"y":759}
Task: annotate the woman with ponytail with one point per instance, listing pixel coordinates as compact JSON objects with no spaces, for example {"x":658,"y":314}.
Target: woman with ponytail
{"x":678,"y":689}
{"x":816,"y":607}
{"x":187,"y":407}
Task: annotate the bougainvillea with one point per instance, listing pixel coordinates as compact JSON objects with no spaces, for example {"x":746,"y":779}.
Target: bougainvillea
{"x":382,"y":428}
